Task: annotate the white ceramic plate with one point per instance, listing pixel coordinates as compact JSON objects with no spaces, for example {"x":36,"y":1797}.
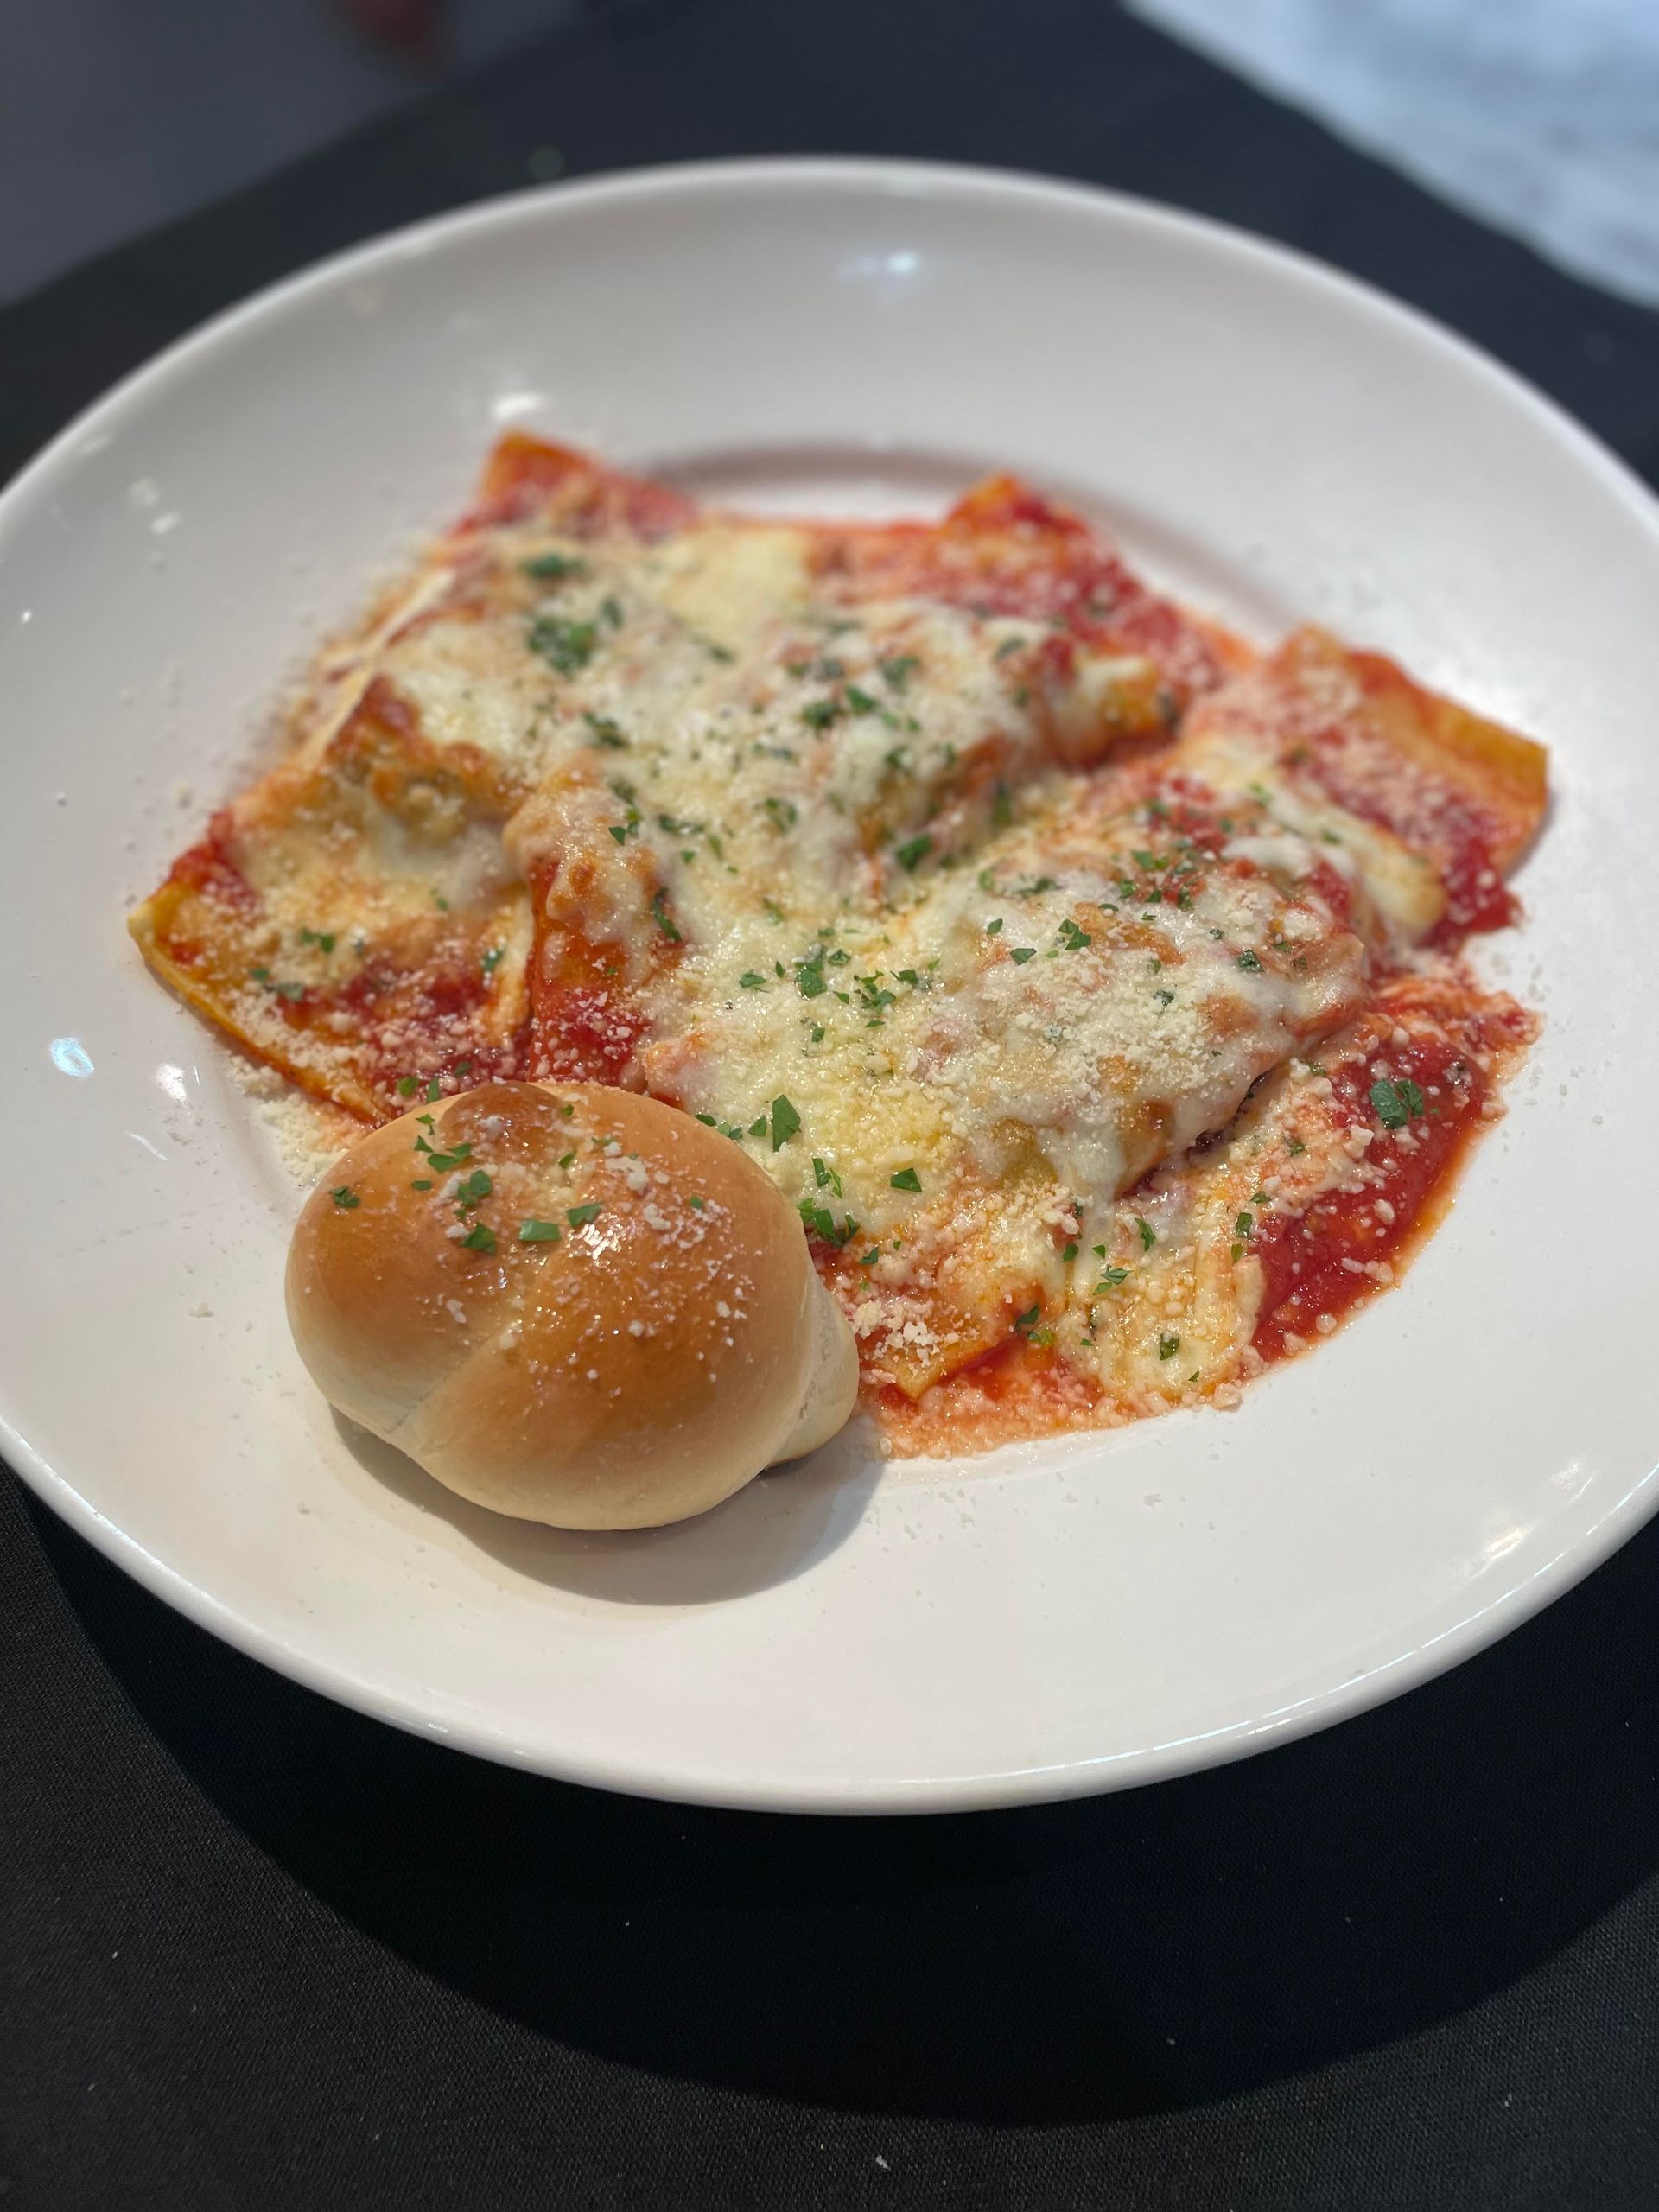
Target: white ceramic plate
{"x":1269,"y":439}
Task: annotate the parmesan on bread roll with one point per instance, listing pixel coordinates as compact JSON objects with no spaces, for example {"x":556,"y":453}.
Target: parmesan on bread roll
{"x":569,"y":1303}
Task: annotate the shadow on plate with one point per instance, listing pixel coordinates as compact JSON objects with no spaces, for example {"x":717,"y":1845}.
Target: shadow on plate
{"x":1124,"y":1956}
{"x":770,"y":1532}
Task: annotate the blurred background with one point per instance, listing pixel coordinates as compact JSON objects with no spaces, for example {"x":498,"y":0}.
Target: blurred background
{"x":1541,"y":116}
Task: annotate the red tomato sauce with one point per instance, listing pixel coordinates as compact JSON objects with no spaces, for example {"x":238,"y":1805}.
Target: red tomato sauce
{"x":1003,"y":550}
{"x":527,"y":477}
{"x":1454,"y":830}
{"x":1316,"y":1267}
{"x":1014,"y":1390}
{"x":208,"y":869}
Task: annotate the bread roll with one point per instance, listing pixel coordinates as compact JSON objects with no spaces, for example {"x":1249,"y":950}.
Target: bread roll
{"x":569,"y":1303}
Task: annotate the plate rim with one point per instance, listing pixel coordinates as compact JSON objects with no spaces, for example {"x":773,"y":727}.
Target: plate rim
{"x":1084,"y":1777}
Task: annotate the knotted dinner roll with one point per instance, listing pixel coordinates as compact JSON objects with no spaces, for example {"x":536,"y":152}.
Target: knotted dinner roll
{"x":569,"y":1303}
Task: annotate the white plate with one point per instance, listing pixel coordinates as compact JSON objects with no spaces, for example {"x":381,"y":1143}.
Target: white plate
{"x":1270,"y":439}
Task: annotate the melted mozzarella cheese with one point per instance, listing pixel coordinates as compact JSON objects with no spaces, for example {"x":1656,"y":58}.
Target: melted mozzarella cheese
{"x":874,"y":901}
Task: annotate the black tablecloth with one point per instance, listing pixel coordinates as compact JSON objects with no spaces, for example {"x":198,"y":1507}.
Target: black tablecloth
{"x":262,"y":1953}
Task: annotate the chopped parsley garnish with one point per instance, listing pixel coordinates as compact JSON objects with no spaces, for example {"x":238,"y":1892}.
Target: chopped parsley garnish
{"x":784,"y":812}
{"x":445,"y":1163}
{"x":748,"y":981}
{"x":553,"y":568}
{"x":566,"y":645}
{"x":1020,"y":953}
{"x":607,"y":732}
{"x":1069,"y":1254}
{"x":785,"y":1121}
{"x":492,"y":959}
{"x":870,"y":1257}
{"x":480,"y":1237}
{"x":1244,"y":1224}
{"x":1164,"y":998}
{"x":696,"y":1203}
{"x":345,"y":1198}
{"x":1168,"y":1346}
{"x":579,"y":1217}
{"x":1110,"y":1279}
{"x":817,"y":1033}
{"x":912,"y":855}
{"x":1072,"y":938}
{"x":660,"y":916}
{"x":906,"y":1179}
{"x":1024,"y":1322}
{"x":323,"y":939}
{"x":715,"y":651}
{"x":1396,"y":1103}
{"x":898,"y":671}
{"x":860,"y":702}
{"x":473,"y":1187}
{"x":808,"y":977}
{"x":818,"y":714}
{"x":826,"y":1178}
{"x":422,"y":1183}
{"x":262,"y":976}
{"x":1001,"y":808}
{"x":407,"y":1086}
{"x":823,"y":1223}
{"x":433,"y":1091}
{"x":538,"y":1232}
{"x":1148,"y":1234}
{"x":991,"y":928}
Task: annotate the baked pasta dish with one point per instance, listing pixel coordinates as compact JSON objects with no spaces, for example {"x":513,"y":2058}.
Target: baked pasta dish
{"x":1089,"y":983}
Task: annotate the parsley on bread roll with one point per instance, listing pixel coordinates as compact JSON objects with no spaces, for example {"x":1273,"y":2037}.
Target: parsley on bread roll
{"x":569,"y":1303}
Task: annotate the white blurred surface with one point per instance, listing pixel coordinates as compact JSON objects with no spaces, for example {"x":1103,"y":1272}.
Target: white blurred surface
{"x":1539,"y":116}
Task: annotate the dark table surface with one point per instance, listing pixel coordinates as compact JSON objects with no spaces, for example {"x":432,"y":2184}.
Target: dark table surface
{"x":260,"y":1952}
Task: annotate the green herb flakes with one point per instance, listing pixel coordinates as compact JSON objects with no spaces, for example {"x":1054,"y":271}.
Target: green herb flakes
{"x":565,"y":645}
{"x":553,"y":568}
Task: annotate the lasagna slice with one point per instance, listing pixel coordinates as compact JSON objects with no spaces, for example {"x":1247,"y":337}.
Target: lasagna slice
{"x":1091,"y":986}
